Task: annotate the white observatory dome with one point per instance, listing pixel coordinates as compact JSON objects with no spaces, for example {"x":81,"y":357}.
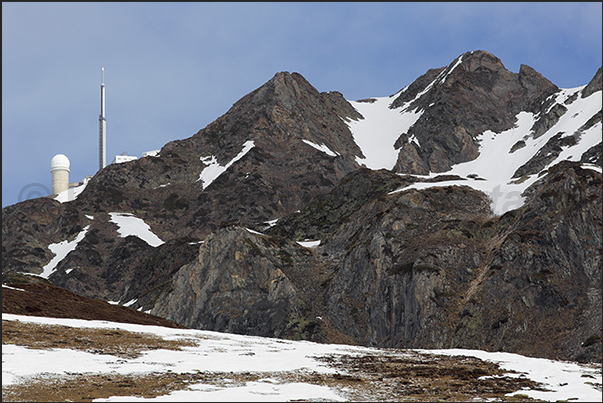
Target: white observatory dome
{"x":59,"y":161}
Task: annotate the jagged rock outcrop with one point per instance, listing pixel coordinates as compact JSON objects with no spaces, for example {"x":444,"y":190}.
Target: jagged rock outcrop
{"x":596,"y":84}
{"x":239,"y":284}
{"x":473,"y":94}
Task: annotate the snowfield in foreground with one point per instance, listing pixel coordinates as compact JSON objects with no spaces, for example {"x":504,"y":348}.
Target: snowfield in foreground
{"x":230,"y":353}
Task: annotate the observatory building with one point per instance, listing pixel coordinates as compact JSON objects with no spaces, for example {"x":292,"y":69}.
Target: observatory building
{"x":59,"y":165}
{"x":59,"y":169}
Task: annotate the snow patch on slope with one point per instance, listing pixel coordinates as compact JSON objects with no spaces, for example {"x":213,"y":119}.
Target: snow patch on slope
{"x":309,"y":243}
{"x":214,"y":169}
{"x":71,"y":193}
{"x":379,"y":130}
{"x":459,"y":61}
{"x":323,"y":148}
{"x":61,"y":250}
{"x":128,"y":224}
{"x":564,"y":380}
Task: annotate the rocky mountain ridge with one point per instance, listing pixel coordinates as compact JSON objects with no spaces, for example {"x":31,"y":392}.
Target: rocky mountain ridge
{"x":473,"y":94}
{"x":409,"y":255}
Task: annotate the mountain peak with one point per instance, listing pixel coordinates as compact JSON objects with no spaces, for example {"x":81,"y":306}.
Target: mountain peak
{"x":287,"y":79}
{"x":284,"y":90}
{"x":472,"y":94}
{"x":476,"y":59}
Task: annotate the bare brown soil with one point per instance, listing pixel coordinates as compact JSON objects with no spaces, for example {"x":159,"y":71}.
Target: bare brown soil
{"x":43,"y":299}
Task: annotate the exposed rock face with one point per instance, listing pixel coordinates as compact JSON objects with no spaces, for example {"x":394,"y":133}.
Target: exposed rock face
{"x":30,"y":226}
{"x":421,"y":269}
{"x":596,"y":84}
{"x":238,"y":284}
{"x":463,"y":279}
{"x":473,"y":94}
{"x":556,"y":241}
{"x":396,"y":267}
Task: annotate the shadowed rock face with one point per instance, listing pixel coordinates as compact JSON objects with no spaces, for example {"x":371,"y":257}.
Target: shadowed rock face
{"x":430,"y":268}
{"x":238,"y":284}
{"x":29,"y":227}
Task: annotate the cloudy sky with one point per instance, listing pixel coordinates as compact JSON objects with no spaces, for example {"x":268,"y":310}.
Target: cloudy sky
{"x":173,"y":68}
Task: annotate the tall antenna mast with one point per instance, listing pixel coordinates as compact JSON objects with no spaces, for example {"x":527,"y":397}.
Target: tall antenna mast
{"x":102,"y":127}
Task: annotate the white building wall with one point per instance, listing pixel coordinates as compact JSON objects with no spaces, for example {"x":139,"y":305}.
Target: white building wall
{"x":60,"y":180}
{"x":123,"y":158}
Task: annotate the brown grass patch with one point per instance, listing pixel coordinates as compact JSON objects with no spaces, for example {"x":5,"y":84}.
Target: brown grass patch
{"x":121,"y":343}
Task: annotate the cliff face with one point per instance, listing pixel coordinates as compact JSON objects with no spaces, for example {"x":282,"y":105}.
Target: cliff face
{"x":398,"y":260}
{"x":237,"y":285}
{"x":434,"y":268}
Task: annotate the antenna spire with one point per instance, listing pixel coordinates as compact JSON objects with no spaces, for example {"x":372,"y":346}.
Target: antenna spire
{"x":102,"y":127}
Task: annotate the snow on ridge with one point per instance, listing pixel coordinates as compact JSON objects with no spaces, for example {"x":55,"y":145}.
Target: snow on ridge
{"x":459,"y":61}
{"x":309,"y":243}
{"x":497,"y":164}
{"x":382,"y":126}
{"x":128,"y":224}
{"x":214,"y":169}
{"x":61,"y":250}
{"x":439,"y":79}
{"x":271,"y":223}
{"x":251,"y":231}
{"x":562,"y":96}
{"x":379,"y":130}
{"x":323,"y":148}
{"x":13,"y":288}
{"x":402,"y":91}
{"x":445,"y":73}
{"x":377,"y":133}
{"x":130,"y":302}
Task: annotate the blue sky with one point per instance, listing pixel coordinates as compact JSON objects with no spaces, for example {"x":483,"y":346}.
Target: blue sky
{"x":173,"y":68}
